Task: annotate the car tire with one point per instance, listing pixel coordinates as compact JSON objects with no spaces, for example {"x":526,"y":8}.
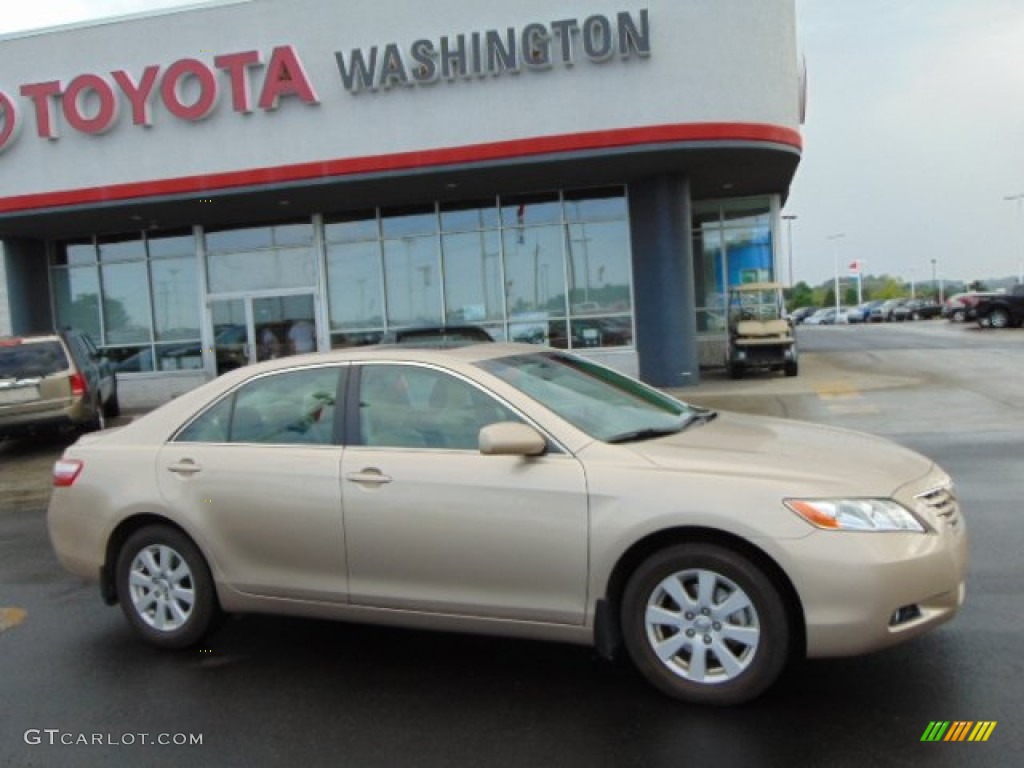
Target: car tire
{"x":165,"y":588}
{"x":99,"y":420}
{"x":958,"y":316}
{"x":112,"y":408}
{"x":705,"y":625}
{"x":998,"y":318}
{"x":792,"y":368}
{"x":735,"y":371}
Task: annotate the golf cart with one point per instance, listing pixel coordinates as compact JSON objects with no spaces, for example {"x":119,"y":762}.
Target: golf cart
{"x":759,"y":334}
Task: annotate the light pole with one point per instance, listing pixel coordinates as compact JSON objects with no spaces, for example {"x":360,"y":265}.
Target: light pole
{"x":789,"y":218}
{"x":835,"y":258}
{"x":1020,"y":218}
{"x":935,"y":283}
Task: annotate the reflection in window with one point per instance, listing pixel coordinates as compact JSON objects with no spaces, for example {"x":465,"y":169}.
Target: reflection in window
{"x":352,"y":228}
{"x":289,"y":408}
{"x":175,"y":298}
{"x":406,"y":224}
{"x":534,"y":271}
{"x":111,"y":249}
{"x":465,"y":218}
{"x":77,"y":299}
{"x":262,"y":270}
{"x":598,"y":267}
{"x":411,"y":407}
{"x":413,"y":280}
{"x":472,"y":277}
{"x":126,"y":316}
{"x":355,"y":290}
{"x":253,"y":238}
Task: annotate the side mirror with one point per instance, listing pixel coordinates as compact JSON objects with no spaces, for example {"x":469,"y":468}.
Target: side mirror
{"x":511,"y":438}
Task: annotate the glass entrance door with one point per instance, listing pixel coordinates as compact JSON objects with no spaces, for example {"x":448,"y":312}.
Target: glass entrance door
{"x":250,"y":329}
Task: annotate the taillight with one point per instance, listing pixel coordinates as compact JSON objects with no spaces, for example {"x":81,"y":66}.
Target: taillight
{"x":78,"y":385}
{"x":66,"y":471}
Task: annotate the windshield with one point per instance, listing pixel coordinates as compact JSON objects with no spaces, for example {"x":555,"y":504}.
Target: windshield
{"x":31,"y":360}
{"x":604,"y":404}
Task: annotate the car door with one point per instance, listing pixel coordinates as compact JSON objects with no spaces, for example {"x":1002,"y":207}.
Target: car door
{"x":433,"y":525}
{"x":257,"y":475}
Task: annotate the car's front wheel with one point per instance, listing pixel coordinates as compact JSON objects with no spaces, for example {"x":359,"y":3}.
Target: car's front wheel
{"x":165,"y":588}
{"x":705,"y":625}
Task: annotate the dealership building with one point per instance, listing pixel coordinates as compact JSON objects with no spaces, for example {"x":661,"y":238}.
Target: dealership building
{"x":213,"y":185}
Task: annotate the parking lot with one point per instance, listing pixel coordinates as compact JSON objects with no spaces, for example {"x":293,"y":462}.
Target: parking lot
{"x":267,"y":691}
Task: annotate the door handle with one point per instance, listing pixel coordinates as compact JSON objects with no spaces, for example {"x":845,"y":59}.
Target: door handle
{"x":368,"y":476}
{"x":185,"y":467}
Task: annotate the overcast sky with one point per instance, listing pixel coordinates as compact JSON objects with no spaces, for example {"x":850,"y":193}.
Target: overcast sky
{"x":914,"y":134}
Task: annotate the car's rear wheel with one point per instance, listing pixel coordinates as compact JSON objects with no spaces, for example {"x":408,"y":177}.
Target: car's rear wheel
{"x":792,"y":368}
{"x":705,"y":625}
{"x":998,"y":318}
{"x":165,"y":588}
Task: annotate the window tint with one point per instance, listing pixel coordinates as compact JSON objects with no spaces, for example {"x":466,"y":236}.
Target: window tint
{"x":411,"y":407}
{"x":293,"y":407}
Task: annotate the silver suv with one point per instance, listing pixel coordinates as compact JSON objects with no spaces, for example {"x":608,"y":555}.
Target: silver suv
{"x":53,"y":382}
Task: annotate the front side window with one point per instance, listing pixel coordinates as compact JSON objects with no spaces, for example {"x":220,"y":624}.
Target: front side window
{"x":597,"y":400}
{"x":402,"y":406}
{"x":291,"y":407}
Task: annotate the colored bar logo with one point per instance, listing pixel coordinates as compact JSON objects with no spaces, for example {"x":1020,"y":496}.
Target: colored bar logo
{"x":958,"y":730}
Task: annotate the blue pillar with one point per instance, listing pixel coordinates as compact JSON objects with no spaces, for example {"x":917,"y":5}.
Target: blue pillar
{"x":666,"y":321}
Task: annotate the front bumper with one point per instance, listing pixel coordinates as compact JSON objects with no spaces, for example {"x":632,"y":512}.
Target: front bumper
{"x":862,"y":592}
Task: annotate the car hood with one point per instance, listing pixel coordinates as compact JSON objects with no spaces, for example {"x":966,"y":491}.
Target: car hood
{"x":811,"y":460}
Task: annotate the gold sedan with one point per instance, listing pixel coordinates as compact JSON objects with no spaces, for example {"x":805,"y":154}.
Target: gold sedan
{"x":513,"y":490}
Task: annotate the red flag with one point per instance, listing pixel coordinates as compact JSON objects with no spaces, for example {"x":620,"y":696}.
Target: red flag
{"x":854,"y":266}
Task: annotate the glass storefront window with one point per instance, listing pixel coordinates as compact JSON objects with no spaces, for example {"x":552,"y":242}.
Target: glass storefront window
{"x":352,"y":229}
{"x":172,"y":245}
{"x":77,"y":299}
{"x":120,"y":249}
{"x":530,"y":210}
{"x":472,"y":277}
{"x":355,"y":290}
{"x":126,"y":315}
{"x":413,"y":280}
{"x":468,"y":217}
{"x":261,"y":270}
{"x":732,"y":245}
{"x":251,"y":238}
{"x":599,"y":267}
{"x":175,"y":298}
{"x":534,"y":271}
{"x":420,"y":221}
{"x":594,"y":205}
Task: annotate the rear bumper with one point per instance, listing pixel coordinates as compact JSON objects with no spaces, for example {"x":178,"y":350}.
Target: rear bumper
{"x":18,"y":425}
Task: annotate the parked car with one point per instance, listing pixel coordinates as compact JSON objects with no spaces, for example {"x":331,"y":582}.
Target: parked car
{"x":883,"y":312}
{"x":437,"y":335}
{"x":962,"y":307}
{"x":52,"y":382}
{"x":510,"y":489}
{"x":1001,"y":310}
{"x":827,"y":316}
{"x":916,"y":309}
{"x":862,"y":312}
{"x":800,"y":314}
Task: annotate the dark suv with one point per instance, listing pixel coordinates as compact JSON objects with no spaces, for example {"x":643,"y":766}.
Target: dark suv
{"x":52,"y":382}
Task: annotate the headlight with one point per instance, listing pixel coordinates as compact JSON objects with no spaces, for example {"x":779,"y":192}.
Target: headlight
{"x":856,"y":514}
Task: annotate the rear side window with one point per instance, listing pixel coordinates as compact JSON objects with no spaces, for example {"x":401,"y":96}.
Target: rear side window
{"x":31,"y":360}
{"x":291,"y":407}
